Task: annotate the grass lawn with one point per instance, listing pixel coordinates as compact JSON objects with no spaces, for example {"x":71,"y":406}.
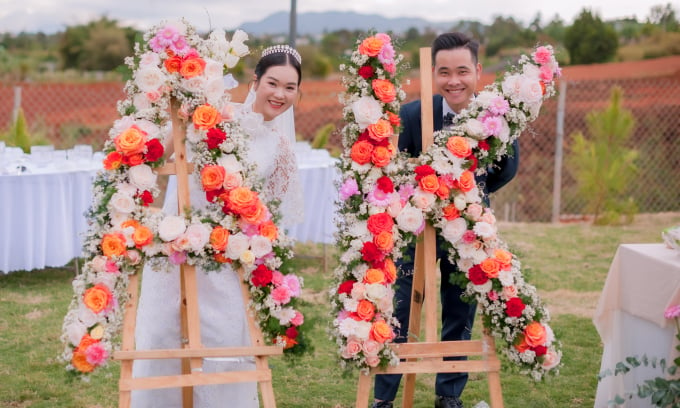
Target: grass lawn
{"x":568,"y":263}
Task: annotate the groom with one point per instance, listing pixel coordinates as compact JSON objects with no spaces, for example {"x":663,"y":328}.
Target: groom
{"x":456,"y":72}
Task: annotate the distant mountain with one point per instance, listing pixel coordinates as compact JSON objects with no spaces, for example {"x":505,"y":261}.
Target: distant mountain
{"x":314,"y":23}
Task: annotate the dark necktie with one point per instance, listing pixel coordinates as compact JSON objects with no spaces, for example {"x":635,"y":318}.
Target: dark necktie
{"x":448,"y":119}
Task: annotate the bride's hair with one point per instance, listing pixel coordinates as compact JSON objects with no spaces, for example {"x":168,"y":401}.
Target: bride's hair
{"x":277,"y":59}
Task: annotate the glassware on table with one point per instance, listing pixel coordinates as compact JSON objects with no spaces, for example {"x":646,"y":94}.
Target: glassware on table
{"x":41,"y":155}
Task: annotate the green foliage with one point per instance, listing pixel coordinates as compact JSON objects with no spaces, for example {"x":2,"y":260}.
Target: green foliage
{"x":507,"y":33}
{"x":322,"y":135}
{"x":602,"y":164}
{"x":19,"y":134}
{"x":589,"y":40}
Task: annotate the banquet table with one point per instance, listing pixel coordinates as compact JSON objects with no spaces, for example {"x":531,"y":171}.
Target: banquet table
{"x":643,"y":280}
{"x":42,"y":214}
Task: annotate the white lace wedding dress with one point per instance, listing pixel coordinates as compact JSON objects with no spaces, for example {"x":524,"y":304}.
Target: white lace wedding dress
{"x":222,"y":314}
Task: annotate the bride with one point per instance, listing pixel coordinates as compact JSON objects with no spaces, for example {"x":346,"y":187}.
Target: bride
{"x":267,"y":117}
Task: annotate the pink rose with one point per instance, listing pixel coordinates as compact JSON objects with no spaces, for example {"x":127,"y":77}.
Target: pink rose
{"x":509,"y":292}
{"x":546,"y":73}
{"x":474,"y":211}
{"x":358,"y":291}
{"x":371,"y":347}
{"x":542,"y":55}
{"x":352,"y":348}
{"x":550,"y":359}
{"x":372,"y":361}
{"x":232,"y":180}
{"x":298,"y":319}
{"x":277,"y":278}
{"x":133,"y":255}
{"x":99,"y":263}
{"x":281,"y":295}
{"x":96,"y":354}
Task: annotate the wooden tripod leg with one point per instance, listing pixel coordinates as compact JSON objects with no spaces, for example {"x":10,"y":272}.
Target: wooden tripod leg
{"x":363,"y":390}
{"x":191,"y":327}
{"x":494,"y":376}
{"x":257,"y":340}
{"x":128,"y":340}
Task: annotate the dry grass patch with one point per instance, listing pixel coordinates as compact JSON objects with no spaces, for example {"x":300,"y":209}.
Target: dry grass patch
{"x":569,"y":302}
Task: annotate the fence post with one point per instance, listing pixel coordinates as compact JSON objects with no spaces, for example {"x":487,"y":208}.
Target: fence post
{"x":559,"y":138}
{"x":17,"y":103}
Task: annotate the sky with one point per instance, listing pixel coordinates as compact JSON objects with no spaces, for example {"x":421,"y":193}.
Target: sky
{"x":50,"y":16}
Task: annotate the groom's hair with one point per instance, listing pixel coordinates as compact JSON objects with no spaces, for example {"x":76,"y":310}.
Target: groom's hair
{"x":277,"y":59}
{"x":451,"y":41}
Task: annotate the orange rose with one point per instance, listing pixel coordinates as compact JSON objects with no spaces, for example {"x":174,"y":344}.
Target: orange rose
{"x":269,"y":230}
{"x":255,"y":213}
{"x":232,"y":180}
{"x":241,"y":198}
{"x":384,"y":241}
{"x":219,"y":257}
{"x":394,"y":119}
{"x":371,"y":46}
{"x":173,"y":63}
{"x":85,"y":342}
{"x":134,"y":159}
{"x":142,"y":236}
{"x":390,"y":270}
{"x":466,"y":182}
{"x":191,"y":67}
{"x":381,"y":332}
{"x":443,"y":190}
{"x":535,"y":334}
{"x":79,"y":361}
{"x":503,"y":257}
{"x":113,"y":245}
{"x":458,"y":146}
{"x":206,"y":117}
{"x":365,"y":310}
{"x":132,"y":140}
{"x":451,"y":212}
{"x":113,"y":161}
{"x":381,"y":156}
{"x":490,"y":267}
{"x":287,"y":342}
{"x":219,"y":238}
{"x":429,"y":183}
{"x":384,"y":90}
{"x":361,"y":152}
{"x":380,"y":130}
{"x":212,"y":177}
{"x":379,"y":222}
{"x":130,"y":223}
{"x":374,"y":276}
{"x":520,"y":344}
{"x":98,"y":298}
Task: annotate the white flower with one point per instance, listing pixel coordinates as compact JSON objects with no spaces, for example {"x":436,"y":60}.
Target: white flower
{"x":149,"y":78}
{"x":530,"y":91}
{"x":475,"y":129}
{"x":142,"y":177}
{"x":375,"y":292}
{"x":238,"y":243}
{"x":75,"y":332}
{"x":484,"y":230}
{"x":238,"y":47}
{"x":410,"y":218}
{"x":260,"y":245}
{"x":122,"y":203}
{"x":86,"y":315}
{"x":367,"y":111}
{"x":171,"y":227}
{"x":284,"y":314}
{"x":230,"y":163}
{"x":197,"y":236}
{"x":247,"y":257}
{"x":453,"y":230}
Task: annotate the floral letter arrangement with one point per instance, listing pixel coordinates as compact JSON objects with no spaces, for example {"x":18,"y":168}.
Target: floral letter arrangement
{"x":385,"y":202}
{"x":237,"y":226}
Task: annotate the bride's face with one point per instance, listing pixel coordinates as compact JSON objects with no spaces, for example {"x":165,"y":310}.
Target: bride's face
{"x":276,"y":91}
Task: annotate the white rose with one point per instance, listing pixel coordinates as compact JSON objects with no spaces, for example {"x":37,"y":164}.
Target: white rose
{"x":126,"y":188}
{"x":453,"y":230}
{"x":122,"y":124}
{"x":98,"y":263}
{"x":375,"y":292}
{"x":230,"y":163}
{"x":106,"y":279}
{"x":423,"y":200}
{"x":260,"y":245}
{"x":171,"y":227}
{"x":142,"y":177}
{"x":464,"y":264}
{"x":505,"y":277}
{"x":238,"y":243}
{"x":531,"y":71}
{"x":511,"y":85}
{"x":75,"y":332}
{"x":475,"y":129}
{"x":195,"y":135}
{"x":410,"y":218}
{"x":194,"y":84}
{"x":460,"y":202}
{"x":504,"y":134}
{"x":285,"y":315}
{"x":484,"y":230}
{"x":141,"y":102}
{"x":530,"y":91}
{"x":362,"y":330}
{"x":149,"y":78}
{"x":247,"y":257}
{"x":214,"y":90}
{"x":197,"y":236}
{"x":213,"y":69}
{"x":149,"y":58}
{"x":122,"y":203}
{"x":86,"y":315}
{"x":367,"y":110}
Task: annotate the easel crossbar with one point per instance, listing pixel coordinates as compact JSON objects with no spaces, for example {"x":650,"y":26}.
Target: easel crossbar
{"x":194,"y":379}
{"x":444,"y":348}
{"x":441,"y":366}
{"x":200,"y":352}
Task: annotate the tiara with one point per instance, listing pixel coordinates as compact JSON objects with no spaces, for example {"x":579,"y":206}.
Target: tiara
{"x":286,"y":49}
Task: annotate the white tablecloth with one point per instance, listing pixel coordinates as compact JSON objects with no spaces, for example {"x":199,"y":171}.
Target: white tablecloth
{"x":42,"y":218}
{"x":643,"y":280}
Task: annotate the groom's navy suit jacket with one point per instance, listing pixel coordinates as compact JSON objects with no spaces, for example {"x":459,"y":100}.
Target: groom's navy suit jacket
{"x":410,"y":140}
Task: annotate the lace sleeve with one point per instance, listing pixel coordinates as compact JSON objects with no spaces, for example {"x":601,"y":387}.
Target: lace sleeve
{"x":284,"y":184}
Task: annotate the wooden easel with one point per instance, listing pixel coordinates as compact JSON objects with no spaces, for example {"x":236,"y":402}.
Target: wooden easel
{"x":192,"y":351}
{"x":428,"y":356}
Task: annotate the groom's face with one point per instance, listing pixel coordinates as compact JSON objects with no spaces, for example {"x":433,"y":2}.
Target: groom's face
{"x":455,"y":76}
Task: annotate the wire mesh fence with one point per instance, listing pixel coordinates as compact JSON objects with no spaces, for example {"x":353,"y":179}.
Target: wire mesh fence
{"x":69,"y":114}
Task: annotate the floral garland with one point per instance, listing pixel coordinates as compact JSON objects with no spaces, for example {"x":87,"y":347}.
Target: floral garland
{"x":238,"y":226}
{"x":442,"y":190}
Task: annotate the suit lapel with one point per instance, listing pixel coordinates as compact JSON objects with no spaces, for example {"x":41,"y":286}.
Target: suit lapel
{"x":438,"y":112}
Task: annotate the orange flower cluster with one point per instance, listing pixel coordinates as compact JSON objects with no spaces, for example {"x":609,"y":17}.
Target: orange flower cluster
{"x":189,"y":66}
{"x":132,"y":148}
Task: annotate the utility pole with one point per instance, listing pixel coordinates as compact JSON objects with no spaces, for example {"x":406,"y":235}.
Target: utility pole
{"x":293,"y":23}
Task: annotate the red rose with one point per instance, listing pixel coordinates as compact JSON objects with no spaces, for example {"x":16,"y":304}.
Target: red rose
{"x":215,"y":137}
{"x":540,"y":350}
{"x":366,"y":71}
{"x":422,"y":171}
{"x":483,"y":144}
{"x":146,"y":197}
{"x":291,"y":332}
{"x":346,"y":287}
{"x":370,"y":252}
{"x":477,"y":275}
{"x":472,"y":159}
{"x":514,"y":307}
{"x":154,"y":150}
{"x":385,"y":184}
{"x":261,"y":276}
{"x":380,"y":222}
{"x":211,"y":195}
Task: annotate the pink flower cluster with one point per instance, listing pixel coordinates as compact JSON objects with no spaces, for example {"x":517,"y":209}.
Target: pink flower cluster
{"x":169,"y":38}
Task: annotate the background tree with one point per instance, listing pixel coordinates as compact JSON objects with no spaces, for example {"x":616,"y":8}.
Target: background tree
{"x":664,"y":17}
{"x":602,"y":163}
{"x":505,"y":33}
{"x":99,"y":45}
{"x":589,"y":40}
